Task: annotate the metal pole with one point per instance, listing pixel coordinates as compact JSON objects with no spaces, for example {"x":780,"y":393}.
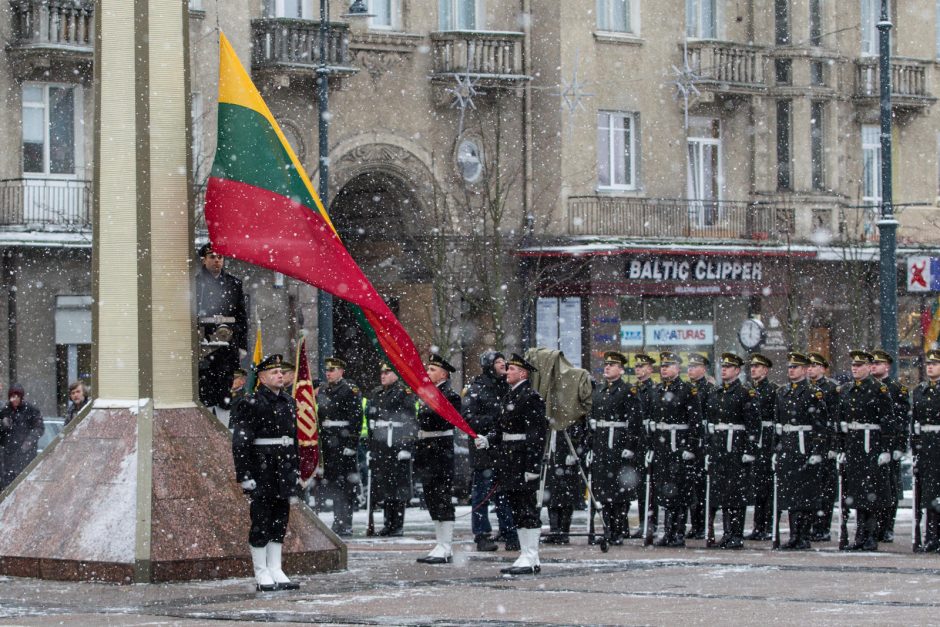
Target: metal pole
{"x":324,"y":300}
{"x":887,"y":224}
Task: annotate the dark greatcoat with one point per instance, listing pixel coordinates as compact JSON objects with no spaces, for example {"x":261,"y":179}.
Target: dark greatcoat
{"x":275,"y":468}
{"x":613,"y":478}
{"x":391,"y":477}
{"x":434,"y":457}
{"x":730,"y":404}
{"x":676,"y":402}
{"x":482,"y":404}
{"x":222,"y":296}
{"x":341,"y":402}
{"x":20,"y":430}
{"x":563,"y":485}
{"x":867,"y":485}
{"x":764,"y":406}
{"x":829,"y":490}
{"x":926,"y":444}
{"x":901,"y":398}
{"x":523,"y":413}
{"x":799,"y":482}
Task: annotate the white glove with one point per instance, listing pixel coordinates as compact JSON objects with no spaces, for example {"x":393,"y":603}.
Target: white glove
{"x":318,"y":473}
{"x":530,"y":476}
{"x":403,"y":455}
{"x":832,"y":455}
{"x":884,"y":458}
{"x":242,"y":353}
{"x":773,"y":461}
{"x":348,"y":452}
{"x":840,"y":458}
{"x":688,"y":455}
{"x":627,"y":454}
{"x":710,"y":427}
{"x":814,"y":459}
{"x":249,"y":484}
{"x":294,"y":500}
{"x":481,"y":442}
{"x":592,"y":423}
{"x":747,"y":459}
{"x":589,"y":458}
{"x":896,"y":455}
{"x":649,"y":457}
{"x":844,"y":427}
{"x":571,"y":460}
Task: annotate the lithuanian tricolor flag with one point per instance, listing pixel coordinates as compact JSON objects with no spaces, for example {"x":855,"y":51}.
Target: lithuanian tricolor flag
{"x":261,"y":208}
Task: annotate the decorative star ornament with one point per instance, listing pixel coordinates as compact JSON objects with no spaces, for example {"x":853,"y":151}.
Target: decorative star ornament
{"x":685,"y":80}
{"x":572,"y":92}
{"x":463,"y":93}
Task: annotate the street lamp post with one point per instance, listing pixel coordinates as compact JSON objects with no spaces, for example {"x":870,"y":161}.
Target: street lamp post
{"x":357,"y":9}
{"x":887,"y":224}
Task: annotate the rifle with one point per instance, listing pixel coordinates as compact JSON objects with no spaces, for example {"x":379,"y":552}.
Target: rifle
{"x":776,"y":514}
{"x":843,"y":516}
{"x":592,"y":503}
{"x":647,"y":537}
{"x":915,"y":508}
{"x":370,"y":528}
{"x":709,"y":519}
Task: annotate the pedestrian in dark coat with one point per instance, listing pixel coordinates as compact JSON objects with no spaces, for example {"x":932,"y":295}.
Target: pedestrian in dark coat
{"x":21,"y":427}
{"x":732,"y":429}
{"x":925,"y":444}
{"x":901,"y":399}
{"x":264,"y":449}
{"x":698,"y":377}
{"x":339,"y":408}
{"x":615,"y":440}
{"x":868,"y":425}
{"x":482,"y":404}
{"x":392,"y":430}
{"x":800,"y":445}
{"x":676,"y":418}
{"x":434,"y":462}
{"x":816,"y":371}
{"x":518,"y":438}
{"x":78,"y":398}
{"x":764,"y":405}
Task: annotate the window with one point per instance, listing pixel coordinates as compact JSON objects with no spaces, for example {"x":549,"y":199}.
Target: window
{"x":616,"y":150}
{"x":784,"y":158}
{"x":782,"y":22}
{"x":817,"y":144}
{"x":704,"y":171}
{"x":617,"y":16}
{"x":195,"y":5}
{"x":289,"y":8}
{"x":387,"y":14}
{"x":817,"y":73}
{"x":52,"y":122}
{"x":783,"y":71}
{"x":815,"y":22}
{"x":460,"y":15}
{"x":871,"y":14}
{"x":73,"y":343}
{"x":871,"y":165}
{"x":701,"y":19}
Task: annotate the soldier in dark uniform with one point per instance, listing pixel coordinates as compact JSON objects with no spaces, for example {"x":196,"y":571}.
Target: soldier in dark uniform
{"x":482,"y":404}
{"x":697,"y":372}
{"x":643,"y":369}
{"x":800,"y":446}
{"x":563,"y":485}
{"x":816,"y":372}
{"x":732,"y":428}
{"x":434,"y":462}
{"x":868,"y":426}
{"x":391,"y":419}
{"x":519,"y":440}
{"x":676,"y":420}
{"x":264,"y":448}
{"x":764,"y":405}
{"x":615,"y":438}
{"x":218,"y":293}
{"x":925,"y":444}
{"x":900,"y":395}
{"x":339,"y":408}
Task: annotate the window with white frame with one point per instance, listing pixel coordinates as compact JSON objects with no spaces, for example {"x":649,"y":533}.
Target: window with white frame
{"x":620,"y":16}
{"x":870,"y":15}
{"x":616,"y":150}
{"x":289,"y":8}
{"x":701,"y":19}
{"x":386,"y":14}
{"x":705,"y":177}
{"x":460,"y":15}
{"x":871,"y":165}
{"x":195,"y":5}
{"x":52,"y":129}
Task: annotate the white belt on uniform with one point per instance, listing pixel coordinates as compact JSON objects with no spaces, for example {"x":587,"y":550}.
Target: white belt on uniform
{"x":334,"y":423}
{"x":730,"y":428}
{"x":423,"y":435}
{"x":867,"y":428}
{"x":763,"y":425}
{"x":799,"y":429}
{"x":671,"y":428}
{"x":926,"y":428}
{"x":390,"y":425}
{"x":284,"y":440}
{"x":611,"y":425}
{"x":513,"y":437}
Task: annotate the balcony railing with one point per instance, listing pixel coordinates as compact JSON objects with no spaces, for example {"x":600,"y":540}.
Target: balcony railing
{"x":667,"y":218}
{"x":64,"y":24}
{"x":294,"y":44}
{"x":48,"y":204}
{"x":726,"y":67}
{"x":908,"y":82}
{"x":490,"y":55}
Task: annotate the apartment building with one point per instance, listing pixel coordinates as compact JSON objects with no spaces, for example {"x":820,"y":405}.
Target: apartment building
{"x":645,"y":175}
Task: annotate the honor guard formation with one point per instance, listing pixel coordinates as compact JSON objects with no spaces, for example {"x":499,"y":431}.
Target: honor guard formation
{"x":679,"y":453}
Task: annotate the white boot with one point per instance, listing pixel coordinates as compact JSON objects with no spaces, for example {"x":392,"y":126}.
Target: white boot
{"x":528,"y":560}
{"x":281,"y":582}
{"x":259,"y":559}
{"x":442,"y":553}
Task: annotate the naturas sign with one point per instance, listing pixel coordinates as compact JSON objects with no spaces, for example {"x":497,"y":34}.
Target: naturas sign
{"x":679,"y":334}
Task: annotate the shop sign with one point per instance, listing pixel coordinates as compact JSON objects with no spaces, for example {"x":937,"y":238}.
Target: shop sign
{"x":680,"y":334}
{"x":631,"y":335}
{"x":923,"y":274}
{"x":775,"y":341}
{"x":694,"y":270}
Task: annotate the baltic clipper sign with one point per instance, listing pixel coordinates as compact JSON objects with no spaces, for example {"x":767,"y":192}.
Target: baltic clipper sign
{"x":694,"y":270}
